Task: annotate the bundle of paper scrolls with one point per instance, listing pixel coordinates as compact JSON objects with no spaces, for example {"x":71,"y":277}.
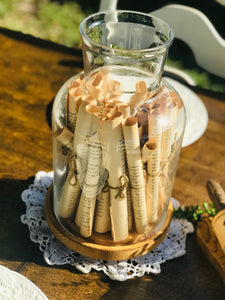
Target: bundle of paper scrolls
{"x":120,"y":155}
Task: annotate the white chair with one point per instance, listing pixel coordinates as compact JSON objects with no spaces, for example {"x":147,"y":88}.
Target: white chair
{"x":194,"y":28}
{"x":108,"y":5}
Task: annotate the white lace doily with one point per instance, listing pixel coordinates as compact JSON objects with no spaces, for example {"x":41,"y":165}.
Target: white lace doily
{"x":55,"y":253}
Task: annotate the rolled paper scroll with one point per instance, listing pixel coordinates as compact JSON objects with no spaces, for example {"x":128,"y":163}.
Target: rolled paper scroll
{"x":124,"y":108}
{"x":129,"y":209}
{"x":94,"y":85}
{"x":102,"y":213}
{"x":98,"y":84}
{"x":84,"y":129}
{"x":114,"y":161}
{"x":65,"y":137}
{"x":70,"y":191}
{"x":88,"y":209}
{"x":176,"y":99}
{"x":90,"y":185}
{"x":153,"y":164}
{"x":93,"y":109}
{"x":148,"y":149}
{"x":87,"y":124}
{"x":129,"y":203}
{"x":110,"y":111}
{"x":115,"y":87}
{"x":168,"y":133}
{"x":114,"y":90}
{"x":141,"y":96}
{"x":137,"y":183}
{"x":76,"y":96}
{"x":77,"y":82}
{"x":87,"y":99}
{"x":106,"y":79}
{"x":168,"y":139}
{"x":78,"y":216}
{"x":87,"y":195}
{"x":73,"y":101}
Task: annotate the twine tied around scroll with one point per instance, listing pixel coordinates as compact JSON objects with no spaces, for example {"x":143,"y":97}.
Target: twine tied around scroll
{"x":73,"y":169}
{"x":122,"y":188}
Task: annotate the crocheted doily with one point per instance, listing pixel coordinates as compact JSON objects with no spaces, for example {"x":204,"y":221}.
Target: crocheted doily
{"x":55,"y":253}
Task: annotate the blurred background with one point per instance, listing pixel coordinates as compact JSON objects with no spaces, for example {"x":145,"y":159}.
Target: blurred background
{"x":58,"y":21}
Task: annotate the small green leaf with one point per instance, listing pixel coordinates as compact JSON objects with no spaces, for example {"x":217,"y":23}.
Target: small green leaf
{"x":194,"y":213}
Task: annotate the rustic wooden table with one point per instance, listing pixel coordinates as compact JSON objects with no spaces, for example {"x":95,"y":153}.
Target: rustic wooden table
{"x":32,"y":71}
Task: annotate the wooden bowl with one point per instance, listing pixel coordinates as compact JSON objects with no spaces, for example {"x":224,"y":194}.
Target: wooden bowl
{"x":101,"y":246}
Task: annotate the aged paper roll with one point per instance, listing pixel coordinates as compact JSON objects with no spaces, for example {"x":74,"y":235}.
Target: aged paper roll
{"x":86,"y":125}
{"x":137,"y":183}
{"x":65,"y":137}
{"x":148,"y":149}
{"x":168,"y":139}
{"x":94,"y":85}
{"x":70,"y":191}
{"x":102,"y":214}
{"x":129,"y":209}
{"x":88,"y":210}
{"x":114,"y":161}
{"x":71,"y":188}
{"x":90,"y":186}
{"x":114,"y":90}
{"x":98,"y":84}
{"x":168,"y":133}
{"x":176,"y":100}
{"x":124,"y":108}
{"x":78,"y":216}
{"x":76,"y":82}
{"x":153,"y":164}
{"x":73,"y":101}
{"x":140,"y":96}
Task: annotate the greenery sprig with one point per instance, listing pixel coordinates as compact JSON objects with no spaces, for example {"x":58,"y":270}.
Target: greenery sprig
{"x":195,"y":213}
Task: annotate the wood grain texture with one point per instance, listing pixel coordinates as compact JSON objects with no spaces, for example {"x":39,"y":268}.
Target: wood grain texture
{"x":207,"y":240}
{"x":32,"y":71}
{"x":31,"y":75}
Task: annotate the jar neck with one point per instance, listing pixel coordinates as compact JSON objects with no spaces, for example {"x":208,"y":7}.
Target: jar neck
{"x":127,"y":42}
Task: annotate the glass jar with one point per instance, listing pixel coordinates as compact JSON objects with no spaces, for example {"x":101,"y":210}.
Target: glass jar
{"x":117,"y":132}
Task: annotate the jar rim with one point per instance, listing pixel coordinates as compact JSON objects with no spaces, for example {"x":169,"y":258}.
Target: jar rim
{"x":159,"y":21}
